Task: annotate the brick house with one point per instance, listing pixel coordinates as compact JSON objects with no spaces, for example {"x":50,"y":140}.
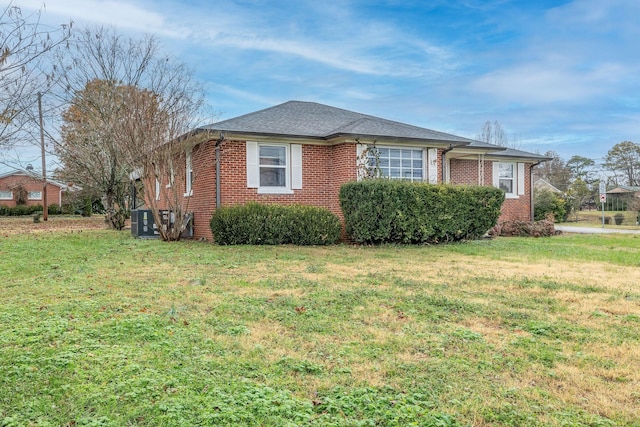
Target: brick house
{"x":302,"y":152}
{"x":28,"y":186}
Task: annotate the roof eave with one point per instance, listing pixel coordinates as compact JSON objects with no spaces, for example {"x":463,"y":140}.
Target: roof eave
{"x":399,"y":139}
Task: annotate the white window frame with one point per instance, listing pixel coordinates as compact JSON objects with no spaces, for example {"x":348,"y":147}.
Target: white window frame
{"x":293,"y":167}
{"x":421,"y":157}
{"x":286,"y":167}
{"x":517,"y":188}
{"x":34,"y":195}
{"x":6,"y":195}
{"x":188,"y":178}
{"x":157,"y":189}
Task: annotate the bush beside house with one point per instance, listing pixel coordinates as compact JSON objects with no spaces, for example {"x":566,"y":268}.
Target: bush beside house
{"x":259,"y":224}
{"x":390,"y":211}
{"x":547,"y":204}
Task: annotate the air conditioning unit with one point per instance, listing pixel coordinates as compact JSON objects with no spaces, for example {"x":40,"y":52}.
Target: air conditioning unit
{"x":143,"y":225}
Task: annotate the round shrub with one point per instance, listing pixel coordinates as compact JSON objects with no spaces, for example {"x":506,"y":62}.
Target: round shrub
{"x":548,"y":203}
{"x":258,"y":224}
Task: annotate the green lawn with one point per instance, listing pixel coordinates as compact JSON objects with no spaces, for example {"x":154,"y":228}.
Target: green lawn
{"x":100,"y":329}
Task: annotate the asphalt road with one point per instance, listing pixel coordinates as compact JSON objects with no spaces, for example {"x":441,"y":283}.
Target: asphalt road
{"x":593,"y":230}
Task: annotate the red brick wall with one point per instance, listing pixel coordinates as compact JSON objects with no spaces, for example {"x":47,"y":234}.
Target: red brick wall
{"x":54,"y":193}
{"x":466,"y":172}
{"x":324,"y":170}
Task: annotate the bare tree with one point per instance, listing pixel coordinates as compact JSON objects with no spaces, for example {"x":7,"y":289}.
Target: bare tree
{"x":163,"y":152}
{"x":129,"y":107}
{"x":493,"y":133}
{"x":555,"y":171}
{"x":24,"y":67}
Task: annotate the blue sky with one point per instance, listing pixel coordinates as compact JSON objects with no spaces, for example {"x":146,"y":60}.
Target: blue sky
{"x":557,"y":75}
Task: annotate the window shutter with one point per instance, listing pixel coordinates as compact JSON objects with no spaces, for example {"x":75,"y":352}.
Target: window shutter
{"x":253,"y":174}
{"x":432,"y":164}
{"x":520,"y":178}
{"x":296,"y":166}
{"x":496,"y":174}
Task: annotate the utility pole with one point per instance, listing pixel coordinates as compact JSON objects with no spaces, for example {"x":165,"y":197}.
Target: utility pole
{"x":45,"y":208}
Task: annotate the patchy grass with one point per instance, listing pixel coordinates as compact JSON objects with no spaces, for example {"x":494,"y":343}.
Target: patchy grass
{"x":71,"y":223}
{"x":100,"y":329}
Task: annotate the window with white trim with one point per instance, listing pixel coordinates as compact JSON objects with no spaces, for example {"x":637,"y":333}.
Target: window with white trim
{"x":509,"y":177}
{"x":6,"y":195}
{"x":506,"y":177}
{"x":397,"y":163}
{"x":34,"y":195}
{"x":272,"y":163}
{"x":274,"y":168}
{"x":188,"y":173}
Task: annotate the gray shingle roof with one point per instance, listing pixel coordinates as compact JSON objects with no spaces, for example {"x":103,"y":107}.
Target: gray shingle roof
{"x":513,"y":153}
{"x":313,"y":120}
{"x":319,"y":121}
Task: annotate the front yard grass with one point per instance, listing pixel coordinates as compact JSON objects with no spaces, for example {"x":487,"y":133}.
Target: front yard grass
{"x":100,"y":329}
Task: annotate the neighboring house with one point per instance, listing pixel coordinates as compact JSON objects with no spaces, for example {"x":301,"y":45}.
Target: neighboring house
{"x":302,"y":152}
{"x":28,"y":186}
{"x":542,"y":184}
{"x":624,"y":197}
{"x":626,"y":190}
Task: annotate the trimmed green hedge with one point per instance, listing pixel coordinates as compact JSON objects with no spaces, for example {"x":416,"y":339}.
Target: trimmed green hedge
{"x":258,"y":224}
{"x":52,"y":209}
{"x":392,"y":211}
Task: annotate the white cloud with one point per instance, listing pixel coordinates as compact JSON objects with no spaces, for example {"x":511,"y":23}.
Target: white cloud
{"x":125,"y":15}
{"x":364,"y":45}
{"x":546,"y":82}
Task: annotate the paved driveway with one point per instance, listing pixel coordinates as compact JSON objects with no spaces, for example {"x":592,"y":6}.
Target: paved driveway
{"x":593,"y":230}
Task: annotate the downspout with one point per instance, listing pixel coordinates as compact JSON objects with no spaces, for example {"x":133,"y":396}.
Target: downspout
{"x":218,"y":143}
{"x":531,"y":198}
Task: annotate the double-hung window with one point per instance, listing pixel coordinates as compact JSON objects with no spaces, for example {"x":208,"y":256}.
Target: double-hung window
{"x":397,"y":163}
{"x":509,"y":177}
{"x":274,"y":168}
{"x":506,"y":177}
{"x":6,"y":195}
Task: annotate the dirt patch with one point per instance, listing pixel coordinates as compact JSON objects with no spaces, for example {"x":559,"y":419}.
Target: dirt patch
{"x":26,"y":225}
